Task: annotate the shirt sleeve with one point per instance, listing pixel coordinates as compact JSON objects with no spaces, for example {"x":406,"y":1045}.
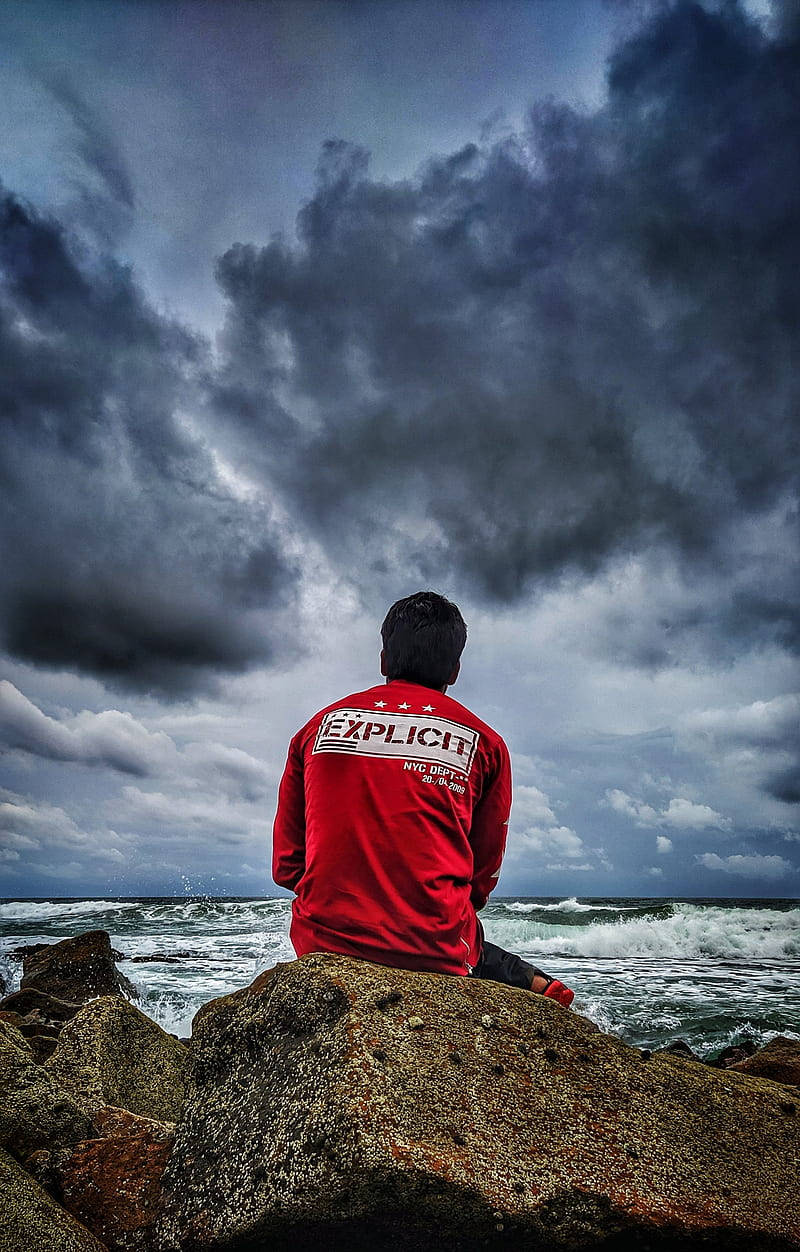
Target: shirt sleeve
{"x":490,"y":828}
{"x":289,"y":829}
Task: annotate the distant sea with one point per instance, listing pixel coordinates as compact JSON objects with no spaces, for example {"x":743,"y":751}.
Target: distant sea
{"x":709,"y":971}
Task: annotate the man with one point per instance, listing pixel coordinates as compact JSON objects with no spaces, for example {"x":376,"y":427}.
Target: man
{"x":393,"y":812}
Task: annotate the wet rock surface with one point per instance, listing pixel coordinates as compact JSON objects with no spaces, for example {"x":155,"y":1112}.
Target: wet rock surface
{"x":35,"y":1110}
{"x":733,"y":1053}
{"x":165,"y":958}
{"x":76,"y":969}
{"x":678,"y":1047}
{"x":349,"y":1106}
{"x":778,"y":1060}
{"x":111,"y":1053}
{"x":32,"y":1221}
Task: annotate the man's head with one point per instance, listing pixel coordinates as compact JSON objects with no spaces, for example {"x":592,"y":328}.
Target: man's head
{"x":423,"y":638}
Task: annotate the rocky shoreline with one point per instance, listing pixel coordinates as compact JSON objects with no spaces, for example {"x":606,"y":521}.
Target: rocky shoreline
{"x":336,"y":1104}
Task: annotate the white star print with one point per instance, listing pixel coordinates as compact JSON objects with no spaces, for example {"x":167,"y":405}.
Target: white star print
{"x":404,"y":706}
{"x":380,"y":704}
{"x":427,"y":708}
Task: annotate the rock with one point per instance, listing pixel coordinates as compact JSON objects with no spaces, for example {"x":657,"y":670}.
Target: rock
{"x":113,"y":1184}
{"x":315,"y":1118}
{"x":112,"y":1122}
{"x":733,"y":1053}
{"x":43,"y":1020}
{"x":45,"y":1007}
{"x":225,"y":1006}
{"x":76,"y":969}
{"x":42,"y":1046}
{"x":111,"y":1053}
{"x":27,"y":949}
{"x":32,"y":1221}
{"x":13,"y":1019}
{"x":678,"y":1047}
{"x":165,"y":958}
{"x":35,"y":1111}
{"x":778,"y":1060}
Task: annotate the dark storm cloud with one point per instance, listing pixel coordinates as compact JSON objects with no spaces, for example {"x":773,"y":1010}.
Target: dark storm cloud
{"x":124,"y":556}
{"x":571,"y":345}
{"x":105,"y":202}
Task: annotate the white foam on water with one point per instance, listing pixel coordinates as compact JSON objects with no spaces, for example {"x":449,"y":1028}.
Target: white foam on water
{"x":30,"y":910}
{"x":690,"y":932}
{"x":570,"y":905}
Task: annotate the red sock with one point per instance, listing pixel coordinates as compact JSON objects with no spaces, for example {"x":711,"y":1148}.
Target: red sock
{"x":557,"y":991}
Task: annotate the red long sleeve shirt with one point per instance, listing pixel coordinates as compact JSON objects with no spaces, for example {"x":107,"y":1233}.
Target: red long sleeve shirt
{"x":391,"y":826}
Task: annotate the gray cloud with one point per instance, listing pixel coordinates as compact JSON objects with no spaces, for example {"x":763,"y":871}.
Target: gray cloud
{"x":126,"y":555}
{"x":110,"y":738}
{"x":760,"y":741}
{"x":105,"y":202}
{"x":573,"y":344}
{"x":116,"y":740}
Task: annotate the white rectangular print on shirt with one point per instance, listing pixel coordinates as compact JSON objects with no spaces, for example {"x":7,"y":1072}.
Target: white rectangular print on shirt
{"x":409,"y":736}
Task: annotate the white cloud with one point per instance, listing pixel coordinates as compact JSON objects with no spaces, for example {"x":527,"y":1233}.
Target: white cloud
{"x":757,"y":743}
{"x":643,"y":814}
{"x":685,"y":815}
{"x":663,"y":844}
{"x":655,"y":871}
{"x":680,"y":813}
{"x":567,"y":867}
{"x":763,"y":722}
{"x":748,"y":866}
{"x":535,"y":830}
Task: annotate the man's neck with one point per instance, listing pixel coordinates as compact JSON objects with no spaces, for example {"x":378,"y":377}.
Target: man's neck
{"x":441,"y":690}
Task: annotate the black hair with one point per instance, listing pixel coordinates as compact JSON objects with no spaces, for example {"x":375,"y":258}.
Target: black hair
{"x":423,"y":638}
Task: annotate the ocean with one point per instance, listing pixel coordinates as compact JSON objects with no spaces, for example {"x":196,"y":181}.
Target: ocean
{"x":708,"y":971}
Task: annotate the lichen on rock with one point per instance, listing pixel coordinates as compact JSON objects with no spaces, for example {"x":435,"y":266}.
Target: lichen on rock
{"x":35,"y":1110}
{"x":32,"y":1221}
{"x":111,"y":1053}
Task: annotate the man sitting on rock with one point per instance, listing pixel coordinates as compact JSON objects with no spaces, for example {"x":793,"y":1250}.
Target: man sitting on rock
{"x":393,"y":812}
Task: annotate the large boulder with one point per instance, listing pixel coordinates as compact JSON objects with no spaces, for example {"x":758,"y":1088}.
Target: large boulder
{"x":76,"y":969}
{"x":32,"y":1221}
{"x":35,"y":1111}
{"x":111,"y":1053}
{"x":350,"y":1106}
{"x":779,"y":1060}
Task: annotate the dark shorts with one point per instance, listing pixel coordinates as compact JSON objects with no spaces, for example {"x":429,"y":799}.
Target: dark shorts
{"x":501,"y":966}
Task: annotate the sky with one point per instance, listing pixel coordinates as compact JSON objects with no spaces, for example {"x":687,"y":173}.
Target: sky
{"x":305,"y":306}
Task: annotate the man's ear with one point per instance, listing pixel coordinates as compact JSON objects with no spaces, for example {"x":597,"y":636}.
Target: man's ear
{"x":454,"y":674}
{"x":383,"y":663}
